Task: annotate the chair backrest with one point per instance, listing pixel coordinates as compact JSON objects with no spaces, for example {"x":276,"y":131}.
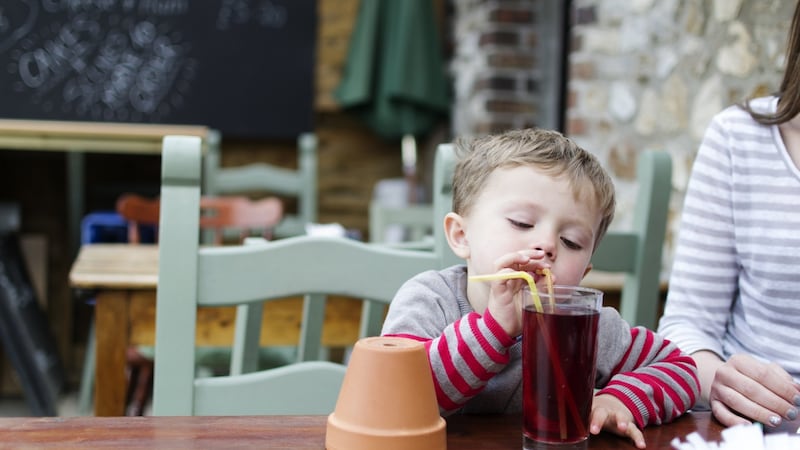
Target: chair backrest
{"x":416,"y":219}
{"x":190,"y":276}
{"x":269,"y":179}
{"x":443,"y":167}
{"x":423,"y":216}
{"x":217,"y":214}
{"x":637,"y":252}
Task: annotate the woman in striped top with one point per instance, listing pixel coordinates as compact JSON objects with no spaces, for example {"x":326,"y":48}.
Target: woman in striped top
{"x":734,"y":289}
{"x":527,"y":200}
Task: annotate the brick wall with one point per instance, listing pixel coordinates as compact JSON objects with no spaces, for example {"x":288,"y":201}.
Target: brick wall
{"x":502,"y":65}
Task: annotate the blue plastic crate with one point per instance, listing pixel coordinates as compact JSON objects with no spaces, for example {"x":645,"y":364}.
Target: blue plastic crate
{"x":110,"y":227}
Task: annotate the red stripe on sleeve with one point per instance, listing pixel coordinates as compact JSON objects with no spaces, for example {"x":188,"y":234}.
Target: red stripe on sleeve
{"x":640,"y":394}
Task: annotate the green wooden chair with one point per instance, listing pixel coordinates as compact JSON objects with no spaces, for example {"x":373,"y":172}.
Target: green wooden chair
{"x":637,"y":252}
{"x":423,"y":217}
{"x":417,"y":219}
{"x":260,"y":177}
{"x":443,"y":167}
{"x":249,"y":274}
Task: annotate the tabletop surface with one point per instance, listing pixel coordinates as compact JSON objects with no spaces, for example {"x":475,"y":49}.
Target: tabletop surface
{"x":463,"y":432}
{"x":123,"y":266}
{"x":96,"y":129}
{"x":99,"y":137}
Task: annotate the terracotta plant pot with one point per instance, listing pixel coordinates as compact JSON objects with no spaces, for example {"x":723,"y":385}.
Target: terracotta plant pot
{"x":387,"y":400}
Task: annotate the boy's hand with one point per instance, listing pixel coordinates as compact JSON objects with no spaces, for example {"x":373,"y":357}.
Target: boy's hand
{"x":503,"y":304}
{"x":610,"y":414}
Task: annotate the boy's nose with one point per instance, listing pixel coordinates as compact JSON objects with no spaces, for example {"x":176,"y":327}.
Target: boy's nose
{"x":547,"y":252}
{"x":547,"y":246}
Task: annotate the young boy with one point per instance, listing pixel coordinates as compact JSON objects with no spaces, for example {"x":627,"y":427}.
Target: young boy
{"x":527,"y":200}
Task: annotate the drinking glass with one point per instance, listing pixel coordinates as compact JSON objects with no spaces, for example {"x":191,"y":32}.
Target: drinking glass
{"x":559,"y":361}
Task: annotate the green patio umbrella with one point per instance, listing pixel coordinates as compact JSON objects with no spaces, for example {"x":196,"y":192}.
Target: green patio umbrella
{"x":394,"y":78}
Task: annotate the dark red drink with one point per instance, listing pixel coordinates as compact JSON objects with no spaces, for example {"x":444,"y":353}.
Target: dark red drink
{"x":559,"y":349}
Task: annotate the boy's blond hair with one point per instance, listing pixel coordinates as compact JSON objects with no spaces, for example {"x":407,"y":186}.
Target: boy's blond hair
{"x":546,"y":150}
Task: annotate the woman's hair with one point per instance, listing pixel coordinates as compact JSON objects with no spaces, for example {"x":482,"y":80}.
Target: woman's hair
{"x":789,"y":93}
{"x":547,"y":151}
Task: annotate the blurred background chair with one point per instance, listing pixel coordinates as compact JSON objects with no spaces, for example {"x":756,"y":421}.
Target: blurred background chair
{"x":637,"y":252}
{"x":395,"y":211}
{"x":424,"y":223}
{"x":260,"y":179}
{"x":239,"y":214}
{"x":400,"y":224}
{"x":138,"y":216}
{"x":190,"y":276}
{"x":244,"y":216}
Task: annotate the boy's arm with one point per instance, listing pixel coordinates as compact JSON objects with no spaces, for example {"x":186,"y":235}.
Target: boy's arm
{"x":465,"y":349}
{"x":651,"y":376}
{"x":467,"y":354}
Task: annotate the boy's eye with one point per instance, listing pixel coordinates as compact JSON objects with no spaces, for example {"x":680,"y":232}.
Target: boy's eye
{"x":570,"y":244}
{"x":522,"y":225}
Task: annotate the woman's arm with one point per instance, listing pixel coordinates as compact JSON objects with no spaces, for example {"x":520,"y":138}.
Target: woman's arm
{"x":707,"y":364}
{"x":704,"y":274}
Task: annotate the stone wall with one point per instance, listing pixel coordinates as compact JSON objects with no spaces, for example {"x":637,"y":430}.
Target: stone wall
{"x":651,"y":74}
{"x":641,"y":74}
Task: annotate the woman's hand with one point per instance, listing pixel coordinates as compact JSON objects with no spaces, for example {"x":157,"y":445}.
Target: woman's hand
{"x":745,"y":386}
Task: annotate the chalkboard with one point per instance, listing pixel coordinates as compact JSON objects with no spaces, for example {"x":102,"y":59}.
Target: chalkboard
{"x":244,"y":67}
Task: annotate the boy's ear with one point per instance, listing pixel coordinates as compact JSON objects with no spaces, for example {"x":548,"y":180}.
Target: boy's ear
{"x":456,"y":235}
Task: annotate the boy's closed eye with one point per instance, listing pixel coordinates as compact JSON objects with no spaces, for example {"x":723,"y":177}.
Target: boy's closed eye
{"x":568,"y":243}
{"x":571,"y":244}
{"x":520,"y":225}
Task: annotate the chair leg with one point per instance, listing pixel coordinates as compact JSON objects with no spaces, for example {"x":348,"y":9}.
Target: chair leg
{"x":140,"y":382}
{"x":85,"y":395}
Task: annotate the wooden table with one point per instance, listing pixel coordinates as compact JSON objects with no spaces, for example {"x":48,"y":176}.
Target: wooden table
{"x":292,"y":432}
{"x":124,"y":277}
{"x":77,"y":138}
{"x":98,"y":137}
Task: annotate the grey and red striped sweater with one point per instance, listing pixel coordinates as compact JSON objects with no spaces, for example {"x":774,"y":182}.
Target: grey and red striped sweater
{"x":477,"y":366}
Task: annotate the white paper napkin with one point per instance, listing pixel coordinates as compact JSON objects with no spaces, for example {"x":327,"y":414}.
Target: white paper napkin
{"x":741,"y":437}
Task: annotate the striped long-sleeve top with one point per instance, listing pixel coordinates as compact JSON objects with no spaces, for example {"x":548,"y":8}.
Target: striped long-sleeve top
{"x":477,"y":366}
{"x":735,"y":280}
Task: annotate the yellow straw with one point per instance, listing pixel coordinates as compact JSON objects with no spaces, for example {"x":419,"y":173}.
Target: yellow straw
{"x":548,"y":276}
{"x":511,"y":275}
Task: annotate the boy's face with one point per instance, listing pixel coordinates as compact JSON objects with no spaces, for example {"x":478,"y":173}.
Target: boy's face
{"x":521,"y":209}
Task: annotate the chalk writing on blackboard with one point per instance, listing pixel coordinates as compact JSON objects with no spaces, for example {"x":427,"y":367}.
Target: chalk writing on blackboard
{"x":158,"y":60}
{"x":265,"y":13}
